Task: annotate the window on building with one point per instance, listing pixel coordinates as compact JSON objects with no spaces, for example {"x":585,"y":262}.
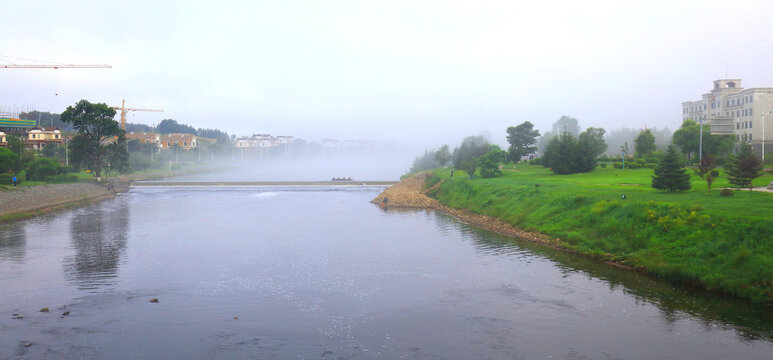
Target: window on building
{"x":737,"y":126}
{"x":750,"y":137}
{"x":750,"y":124}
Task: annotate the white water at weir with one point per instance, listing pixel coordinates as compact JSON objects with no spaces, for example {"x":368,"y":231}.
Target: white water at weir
{"x":319,"y":272}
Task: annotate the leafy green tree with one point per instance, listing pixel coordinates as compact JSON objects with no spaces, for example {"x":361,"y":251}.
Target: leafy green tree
{"x":670,"y":175}
{"x":566,"y":154}
{"x":425,"y":162}
{"x":687,"y":138}
{"x":42,"y":168}
{"x":50,"y":150}
{"x":644,"y":143}
{"x":743,"y":167}
{"x":489,"y":162}
{"x":559,"y":155}
{"x":96,"y":131}
{"x":7,"y":160}
{"x":590,"y":145}
{"x":706,"y":170}
{"x":522,"y":140}
{"x":169,"y":126}
{"x":443,"y":155}
{"x":470,"y":150}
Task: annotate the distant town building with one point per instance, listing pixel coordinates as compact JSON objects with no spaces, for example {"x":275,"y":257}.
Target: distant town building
{"x":262,"y":141}
{"x":732,"y":110}
{"x":183,"y":141}
{"x":13,"y":126}
{"x":38,"y":137}
{"x":3,"y":140}
{"x":144,"y":137}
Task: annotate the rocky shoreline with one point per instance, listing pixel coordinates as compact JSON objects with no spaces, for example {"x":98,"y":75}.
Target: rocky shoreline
{"x":25,"y":201}
{"x":410,"y":194}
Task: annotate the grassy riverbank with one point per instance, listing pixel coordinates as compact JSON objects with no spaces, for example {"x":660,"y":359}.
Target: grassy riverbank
{"x":720,"y":243}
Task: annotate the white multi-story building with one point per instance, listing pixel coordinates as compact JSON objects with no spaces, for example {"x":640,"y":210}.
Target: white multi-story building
{"x":732,"y":110}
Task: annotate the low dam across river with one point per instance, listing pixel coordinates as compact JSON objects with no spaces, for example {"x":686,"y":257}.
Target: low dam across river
{"x":259,"y":183}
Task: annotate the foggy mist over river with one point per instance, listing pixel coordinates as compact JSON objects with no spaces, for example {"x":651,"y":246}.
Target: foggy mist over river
{"x":365,"y":166}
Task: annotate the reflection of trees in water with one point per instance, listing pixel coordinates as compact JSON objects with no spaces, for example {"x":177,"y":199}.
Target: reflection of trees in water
{"x":12,"y":243}
{"x":750,"y":322}
{"x":99,"y":238}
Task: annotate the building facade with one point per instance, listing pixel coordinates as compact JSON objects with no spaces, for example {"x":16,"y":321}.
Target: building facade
{"x":182,"y":141}
{"x":732,"y":110}
{"x":38,"y":137}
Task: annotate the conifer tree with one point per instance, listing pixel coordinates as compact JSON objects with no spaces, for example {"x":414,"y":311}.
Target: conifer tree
{"x":669,"y":174}
{"x":743,"y":167}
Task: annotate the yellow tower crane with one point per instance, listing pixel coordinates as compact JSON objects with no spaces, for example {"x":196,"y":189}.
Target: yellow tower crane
{"x":124,"y":109}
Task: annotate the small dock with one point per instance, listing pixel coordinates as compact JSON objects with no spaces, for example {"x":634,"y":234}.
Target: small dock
{"x":144,"y":184}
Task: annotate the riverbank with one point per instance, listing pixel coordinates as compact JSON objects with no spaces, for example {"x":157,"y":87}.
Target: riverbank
{"x":28,"y":201}
{"x":699,"y":238}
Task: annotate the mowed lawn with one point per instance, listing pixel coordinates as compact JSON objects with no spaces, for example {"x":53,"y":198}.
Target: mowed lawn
{"x":611,"y":184}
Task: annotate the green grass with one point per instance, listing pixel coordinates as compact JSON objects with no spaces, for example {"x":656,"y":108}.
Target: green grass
{"x":720,"y":243}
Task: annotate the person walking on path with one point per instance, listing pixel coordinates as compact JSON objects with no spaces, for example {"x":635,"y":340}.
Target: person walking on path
{"x":14,"y":180}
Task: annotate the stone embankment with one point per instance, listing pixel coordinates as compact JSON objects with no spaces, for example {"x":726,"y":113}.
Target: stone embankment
{"x":410,"y":194}
{"x":33,"y":199}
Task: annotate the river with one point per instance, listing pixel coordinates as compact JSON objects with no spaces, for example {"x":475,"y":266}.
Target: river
{"x":320,"y":273}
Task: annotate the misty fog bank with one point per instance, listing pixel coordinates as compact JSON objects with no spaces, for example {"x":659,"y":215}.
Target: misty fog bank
{"x":355,"y":166}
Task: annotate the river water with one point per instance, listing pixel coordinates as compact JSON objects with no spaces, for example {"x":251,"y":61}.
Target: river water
{"x":320,"y":273}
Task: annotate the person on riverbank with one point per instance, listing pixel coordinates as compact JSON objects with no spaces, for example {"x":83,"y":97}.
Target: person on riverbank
{"x":14,"y":180}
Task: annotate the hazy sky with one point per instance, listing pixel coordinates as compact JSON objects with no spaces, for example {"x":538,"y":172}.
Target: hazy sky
{"x":419,"y":71}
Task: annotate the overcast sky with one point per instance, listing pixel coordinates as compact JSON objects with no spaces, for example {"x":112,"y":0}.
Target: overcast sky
{"x":426,"y":72}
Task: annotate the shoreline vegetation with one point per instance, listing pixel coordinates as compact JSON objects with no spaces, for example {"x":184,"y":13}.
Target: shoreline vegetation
{"x":721,"y":244}
{"x":23,"y":202}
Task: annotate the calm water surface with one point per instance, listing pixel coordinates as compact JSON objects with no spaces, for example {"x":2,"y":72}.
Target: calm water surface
{"x":319,"y":273}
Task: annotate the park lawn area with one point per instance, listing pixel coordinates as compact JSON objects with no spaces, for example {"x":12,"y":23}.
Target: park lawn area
{"x":719,"y":243}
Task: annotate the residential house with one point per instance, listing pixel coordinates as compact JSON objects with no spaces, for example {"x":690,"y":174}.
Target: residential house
{"x":183,"y":141}
{"x":3,"y":140}
{"x":144,"y":137}
{"x":38,"y":137}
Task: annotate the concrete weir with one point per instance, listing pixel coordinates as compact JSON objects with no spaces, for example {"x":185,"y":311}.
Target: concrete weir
{"x":257,"y":183}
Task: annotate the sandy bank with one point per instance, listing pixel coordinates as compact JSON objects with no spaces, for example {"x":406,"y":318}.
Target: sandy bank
{"x":33,"y":199}
{"x":410,"y":194}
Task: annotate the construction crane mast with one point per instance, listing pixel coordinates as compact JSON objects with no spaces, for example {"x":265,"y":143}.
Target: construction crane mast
{"x":124,"y":109}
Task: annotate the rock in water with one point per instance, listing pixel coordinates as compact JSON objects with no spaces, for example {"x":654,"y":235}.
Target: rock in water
{"x":154,"y":300}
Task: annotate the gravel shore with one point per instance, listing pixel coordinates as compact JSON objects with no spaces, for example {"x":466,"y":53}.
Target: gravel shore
{"x":26,"y":199}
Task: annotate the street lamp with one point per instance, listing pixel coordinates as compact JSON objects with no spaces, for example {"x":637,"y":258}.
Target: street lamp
{"x":762,"y":119}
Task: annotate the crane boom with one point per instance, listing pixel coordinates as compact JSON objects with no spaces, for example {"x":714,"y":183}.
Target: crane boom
{"x":64,"y":66}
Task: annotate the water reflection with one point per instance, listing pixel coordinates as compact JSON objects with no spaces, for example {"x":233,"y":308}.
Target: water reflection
{"x":99,"y":237}
{"x":675,"y":302}
{"x":13,"y":240}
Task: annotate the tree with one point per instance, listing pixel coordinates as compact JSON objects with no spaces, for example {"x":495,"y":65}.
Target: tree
{"x":590,"y":145}
{"x":42,"y":168}
{"x":522,"y":140}
{"x":489,"y":162}
{"x":744,"y":167}
{"x":169,"y":126}
{"x":644,"y":143}
{"x":687,"y":138}
{"x":7,"y":160}
{"x":566,"y":154}
{"x":471,"y":149}
{"x":443,"y":155}
{"x":567,"y":124}
{"x":670,"y":175}
{"x":96,"y":130}
{"x":706,"y":170}
{"x":425,"y":162}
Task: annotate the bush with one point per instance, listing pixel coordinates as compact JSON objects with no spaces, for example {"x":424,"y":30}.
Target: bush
{"x":62,"y":179}
{"x":537,"y":161}
{"x":617,"y":165}
{"x":42,"y":168}
{"x":726,"y":192}
{"x":603,"y":165}
{"x":633,"y":165}
{"x":650,"y":165}
{"x":6,"y":179}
